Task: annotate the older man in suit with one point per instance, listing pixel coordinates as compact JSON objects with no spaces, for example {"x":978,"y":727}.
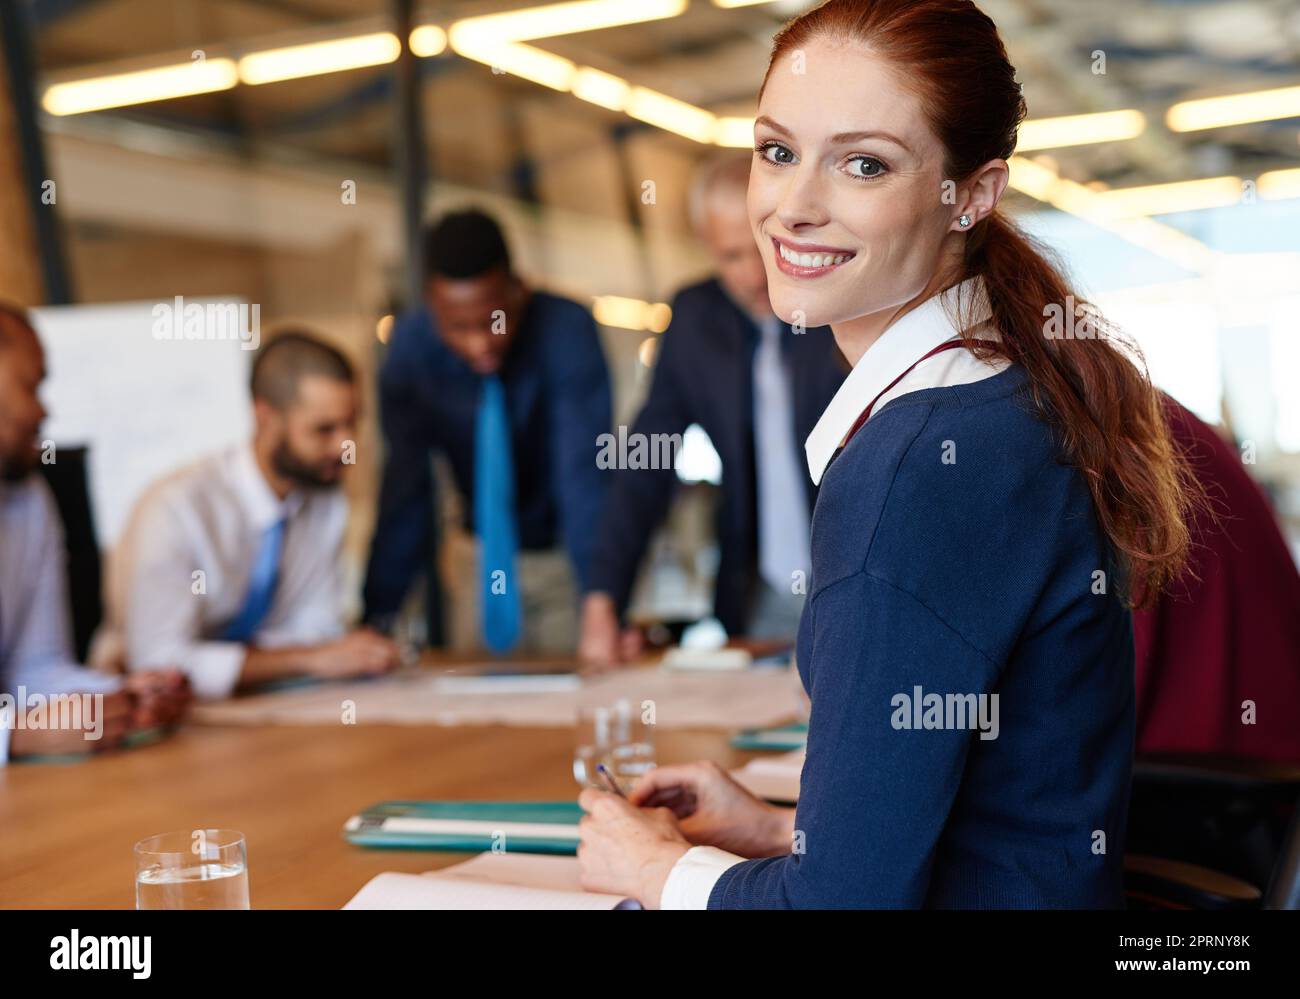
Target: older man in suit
{"x":757,"y":387}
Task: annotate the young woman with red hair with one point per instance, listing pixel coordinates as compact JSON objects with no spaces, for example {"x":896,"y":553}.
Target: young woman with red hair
{"x":991,"y":492}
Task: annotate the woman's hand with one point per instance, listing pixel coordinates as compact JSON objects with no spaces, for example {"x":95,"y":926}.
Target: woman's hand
{"x":625,"y":850}
{"x":713,"y":810}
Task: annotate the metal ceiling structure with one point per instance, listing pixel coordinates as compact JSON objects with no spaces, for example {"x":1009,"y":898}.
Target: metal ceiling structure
{"x":1155,"y":53}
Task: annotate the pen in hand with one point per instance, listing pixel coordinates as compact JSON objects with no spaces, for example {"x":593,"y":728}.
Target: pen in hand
{"x":609,"y":780}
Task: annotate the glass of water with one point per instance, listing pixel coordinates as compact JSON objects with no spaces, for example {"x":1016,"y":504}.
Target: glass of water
{"x":616,"y":735}
{"x":197,"y":869}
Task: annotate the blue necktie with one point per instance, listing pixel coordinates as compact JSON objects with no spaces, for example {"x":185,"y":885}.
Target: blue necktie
{"x":261,"y":587}
{"x":782,"y":501}
{"x":494,"y":516}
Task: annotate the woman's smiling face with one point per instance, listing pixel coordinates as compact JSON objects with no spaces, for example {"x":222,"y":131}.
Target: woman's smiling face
{"x":846,"y":190}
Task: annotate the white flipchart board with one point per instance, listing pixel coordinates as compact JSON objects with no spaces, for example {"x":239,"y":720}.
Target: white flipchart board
{"x":144,"y":406}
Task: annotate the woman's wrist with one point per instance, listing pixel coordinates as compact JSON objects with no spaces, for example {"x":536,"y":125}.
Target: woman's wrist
{"x":655,"y":871}
{"x":780,"y":831}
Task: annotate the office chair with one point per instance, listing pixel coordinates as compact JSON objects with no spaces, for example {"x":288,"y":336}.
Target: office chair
{"x":1229,"y":839}
{"x":68,"y":480}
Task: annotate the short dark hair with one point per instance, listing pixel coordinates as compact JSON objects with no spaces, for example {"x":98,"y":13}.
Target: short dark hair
{"x":464,"y":244}
{"x":283,"y":362}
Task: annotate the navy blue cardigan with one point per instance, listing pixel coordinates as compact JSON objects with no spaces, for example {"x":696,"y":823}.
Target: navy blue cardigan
{"x":952,"y":551}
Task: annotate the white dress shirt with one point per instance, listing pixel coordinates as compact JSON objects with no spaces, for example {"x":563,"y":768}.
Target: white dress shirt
{"x":35,"y":631}
{"x":691,"y":881}
{"x":782,"y":498}
{"x":181,"y":571}
{"x":912,"y":337}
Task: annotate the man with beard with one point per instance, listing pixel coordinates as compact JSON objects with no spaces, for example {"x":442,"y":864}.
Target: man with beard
{"x":36,"y":660}
{"x":230,"y":568}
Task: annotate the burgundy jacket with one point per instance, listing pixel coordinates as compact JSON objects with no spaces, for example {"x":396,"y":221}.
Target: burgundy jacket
{"x":1229,"y":630}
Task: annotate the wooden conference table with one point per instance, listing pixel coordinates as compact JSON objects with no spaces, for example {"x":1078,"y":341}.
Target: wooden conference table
{"x":67,"y":830}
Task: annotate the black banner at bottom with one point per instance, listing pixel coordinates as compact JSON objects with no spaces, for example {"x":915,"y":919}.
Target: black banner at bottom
{"x":1227,"y":949}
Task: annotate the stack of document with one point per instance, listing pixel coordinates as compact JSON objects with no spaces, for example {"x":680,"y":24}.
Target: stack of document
{"x":499,"y":826}
{"x":774,"y":778}
{"x":489,"y":881}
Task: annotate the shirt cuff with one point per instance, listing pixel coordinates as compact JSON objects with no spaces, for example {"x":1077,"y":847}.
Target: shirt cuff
{"x":66,"y":678}
{"x":691,"y":881}
{"x":212,"y":667}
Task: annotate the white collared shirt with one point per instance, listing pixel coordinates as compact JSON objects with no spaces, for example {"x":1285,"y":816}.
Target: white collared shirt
{"x":912,"y":337}
{"x":35,"y":631}
{"x":181,"y":571}
{"x":693,"y":877}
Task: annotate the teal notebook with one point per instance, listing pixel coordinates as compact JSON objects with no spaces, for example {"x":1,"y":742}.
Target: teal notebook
{"x":786,"y":737}
{"x":513,"y":827}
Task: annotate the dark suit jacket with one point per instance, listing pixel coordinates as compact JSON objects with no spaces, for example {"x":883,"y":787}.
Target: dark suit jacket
{"x":557,"y":397}
{"x":704,"y":375}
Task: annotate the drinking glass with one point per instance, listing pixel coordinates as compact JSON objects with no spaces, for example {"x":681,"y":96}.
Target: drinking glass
{"x":197,"y":869}
{"x":616,"y":735}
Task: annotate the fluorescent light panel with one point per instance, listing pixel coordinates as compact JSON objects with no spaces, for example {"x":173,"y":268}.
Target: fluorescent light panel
{"x":428,"y":40}
{"x":671,"y":114}
{"x":1044,"y":184}
{"x":162,"y":83}
{"x":568,"y":18}
{"x":1080,"y":129}
{"x":317,"y":58}
{"x":595,"y":87}
{"x":1165,"y":199}
{"x":1234,"y":109}
{"x":1278,"y":184}
{"x":736,"y":133}
{"x":525,"y":61}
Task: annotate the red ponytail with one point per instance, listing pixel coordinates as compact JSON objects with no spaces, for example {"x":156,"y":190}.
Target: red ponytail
{"x":1108,"y":415}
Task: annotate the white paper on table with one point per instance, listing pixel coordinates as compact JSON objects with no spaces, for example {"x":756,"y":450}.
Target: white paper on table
{"x":754,"y":698}
{"x":774,"y":778}
{"x":489,"y":881}
{"x":497,"y":683}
